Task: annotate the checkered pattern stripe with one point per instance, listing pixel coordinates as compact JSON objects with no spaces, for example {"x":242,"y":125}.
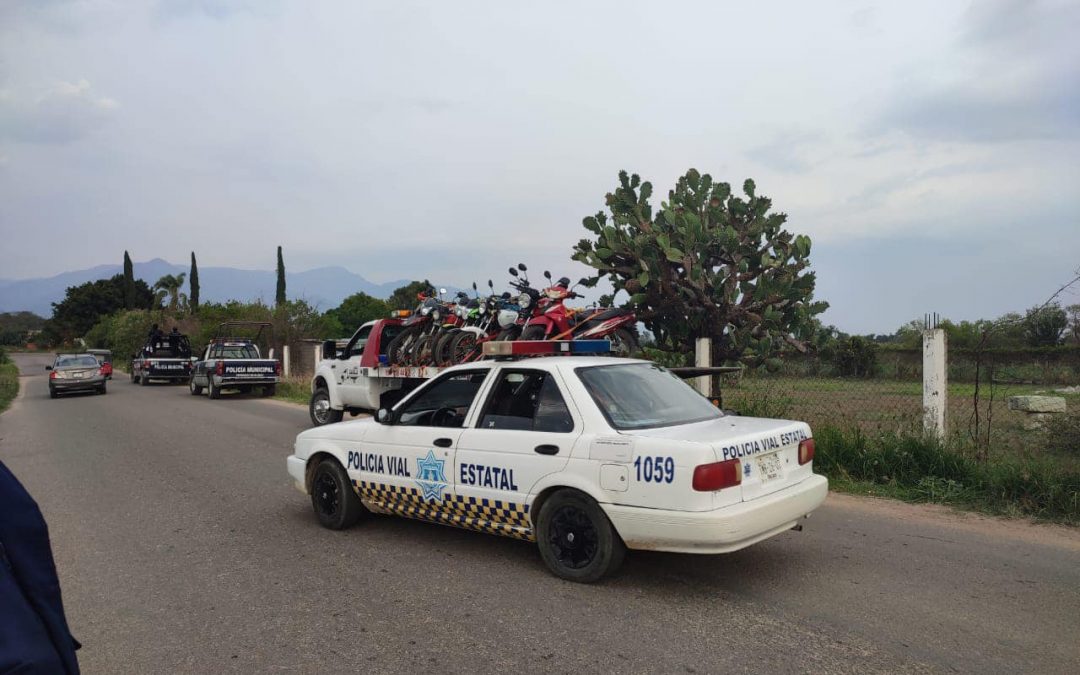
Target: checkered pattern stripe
{"x":493,"y":516}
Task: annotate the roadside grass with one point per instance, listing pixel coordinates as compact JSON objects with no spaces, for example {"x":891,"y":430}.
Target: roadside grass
{"x":914,"y":468}
{"x":294,"y":390}
{"x":9,"y":384}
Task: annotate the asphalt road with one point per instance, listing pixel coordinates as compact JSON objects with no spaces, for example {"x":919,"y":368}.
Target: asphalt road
{"x":183,"y":547}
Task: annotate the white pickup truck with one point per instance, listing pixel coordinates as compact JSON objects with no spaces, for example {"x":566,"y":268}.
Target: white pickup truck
{"x":358,"y":378}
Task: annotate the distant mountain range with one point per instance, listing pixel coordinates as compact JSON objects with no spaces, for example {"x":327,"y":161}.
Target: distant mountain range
{"x":323,"y":287}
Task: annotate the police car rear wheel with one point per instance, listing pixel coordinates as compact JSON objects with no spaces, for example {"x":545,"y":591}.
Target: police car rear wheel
{"x":195,"y":389}
{"x":336,"y":504}
{"x":320,"y":411}
{"x":215,"y":391}
{"x":576,"y":539}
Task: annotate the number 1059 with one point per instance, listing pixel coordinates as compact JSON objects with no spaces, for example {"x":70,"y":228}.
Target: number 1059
{"x":655,"y":469}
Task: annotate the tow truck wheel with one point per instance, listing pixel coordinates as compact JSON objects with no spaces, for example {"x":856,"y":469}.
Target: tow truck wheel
{"x":576,"y":539}
{"x":320,"y":410}
{"x":215,"y":391}
{"x":195,"y":389}
{"x":335,"y":502}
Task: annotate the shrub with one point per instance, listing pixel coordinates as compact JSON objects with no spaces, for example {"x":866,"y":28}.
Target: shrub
{"x":1062,"y":434}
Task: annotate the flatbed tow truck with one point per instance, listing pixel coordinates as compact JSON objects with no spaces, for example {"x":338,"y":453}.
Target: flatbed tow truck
{"x":360,"y":379}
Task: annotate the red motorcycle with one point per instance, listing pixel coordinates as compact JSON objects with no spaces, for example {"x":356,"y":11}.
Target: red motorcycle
{"x":553,"y":320}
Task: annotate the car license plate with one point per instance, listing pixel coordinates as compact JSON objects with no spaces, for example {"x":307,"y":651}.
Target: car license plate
{"x":769,"y":467}
{"x":77,"y":375}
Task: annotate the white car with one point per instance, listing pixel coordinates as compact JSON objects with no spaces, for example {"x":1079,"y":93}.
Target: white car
{"x":586,"y":456}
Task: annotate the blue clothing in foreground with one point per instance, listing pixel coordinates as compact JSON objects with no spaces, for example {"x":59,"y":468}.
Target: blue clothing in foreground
{"x":34,"y":635}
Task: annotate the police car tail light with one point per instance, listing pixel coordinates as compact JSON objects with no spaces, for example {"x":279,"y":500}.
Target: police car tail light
{"x":806,"y":451}
{"x":220,"y":368}
{"x":718,"y":475}
{"x":146,"y":364}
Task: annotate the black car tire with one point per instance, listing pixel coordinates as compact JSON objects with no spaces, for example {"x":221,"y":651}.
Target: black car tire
{"x":132,"y":376}
{"x":52,"y":393}
{"x":321,"y":417}
{"x":268,"y":390}
{"x":195,"y":389}
{"x":215,"y":391}
{"x":144,"y":380}
{"x":577,"y":541}
{"x":102,"y":390}
{"x":336,"y":504}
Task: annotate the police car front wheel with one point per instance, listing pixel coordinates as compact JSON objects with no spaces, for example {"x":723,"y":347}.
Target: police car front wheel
{"x":336,"y":504}
{"x":576,"y":539}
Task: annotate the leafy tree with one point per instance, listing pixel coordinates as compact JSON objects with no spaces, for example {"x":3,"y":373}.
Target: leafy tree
{"x":708,"y":264}
{"x":279,"y":297}
{"x":15,"y":326}
{"x":169,"y":287}
{"x":193,"y":282}
{"x":1045,"y":326}
{"x":129,"y":283}
{"x":85,"y":304}
{"x":1074,"y":323}
{"x":853,"y":356}
{"x":405,"y":296}
{"x":358,"y":309}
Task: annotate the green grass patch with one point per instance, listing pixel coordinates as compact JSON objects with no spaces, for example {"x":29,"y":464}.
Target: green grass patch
{"x":919,"y":469}
{"x":294,"y":390}
{"x":9,"y":384}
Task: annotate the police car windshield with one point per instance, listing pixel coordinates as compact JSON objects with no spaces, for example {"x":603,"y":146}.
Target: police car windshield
{"x":643,"y":396}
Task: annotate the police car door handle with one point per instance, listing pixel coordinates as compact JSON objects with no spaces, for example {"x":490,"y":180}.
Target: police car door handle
{"x":443,"y":442}
{"x":547,"y":449}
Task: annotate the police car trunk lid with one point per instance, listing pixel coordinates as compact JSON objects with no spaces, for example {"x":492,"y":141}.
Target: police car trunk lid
{"x":768,"y":449}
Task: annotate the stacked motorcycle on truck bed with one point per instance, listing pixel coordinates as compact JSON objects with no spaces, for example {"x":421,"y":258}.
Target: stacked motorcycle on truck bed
{"x":388,"y":358}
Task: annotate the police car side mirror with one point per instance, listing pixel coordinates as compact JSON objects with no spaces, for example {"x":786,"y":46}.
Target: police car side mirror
{"x":329,"y":349}
{"x":384,"y":416}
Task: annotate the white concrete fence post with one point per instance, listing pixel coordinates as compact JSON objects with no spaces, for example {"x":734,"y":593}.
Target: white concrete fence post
{"x":703,"y":359}
{"x":935,"y":381}
{"x":285,"y":360}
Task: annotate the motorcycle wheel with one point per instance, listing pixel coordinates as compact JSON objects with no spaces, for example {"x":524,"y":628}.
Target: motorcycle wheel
{"x":443,"y":353}
{"x":507,"y":334}
{"x":534,"y":333}
{"x":624,"y":343}
{"x":397,"y":350}
{"x":423,"y":352}
{"x":463,"y":347}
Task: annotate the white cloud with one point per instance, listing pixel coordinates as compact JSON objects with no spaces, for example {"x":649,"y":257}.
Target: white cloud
{"x":61,"y":112}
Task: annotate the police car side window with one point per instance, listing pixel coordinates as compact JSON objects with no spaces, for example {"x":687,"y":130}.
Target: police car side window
{"x":527,"y":400}
{"x":445,"y":403}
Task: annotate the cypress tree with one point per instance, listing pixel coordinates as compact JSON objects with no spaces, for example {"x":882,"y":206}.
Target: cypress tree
{"x":129,"y":282}
{"x":193,"y":281}
{"x":280,"y":298}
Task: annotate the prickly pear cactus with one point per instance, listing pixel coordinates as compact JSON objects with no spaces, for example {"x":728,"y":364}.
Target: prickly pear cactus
{"x":708,"y":263}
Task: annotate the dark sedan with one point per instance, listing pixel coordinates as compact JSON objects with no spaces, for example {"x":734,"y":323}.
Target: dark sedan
{"x":75,"y":372}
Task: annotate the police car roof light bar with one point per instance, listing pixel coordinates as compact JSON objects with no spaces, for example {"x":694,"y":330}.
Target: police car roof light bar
{"x":546,"y":347}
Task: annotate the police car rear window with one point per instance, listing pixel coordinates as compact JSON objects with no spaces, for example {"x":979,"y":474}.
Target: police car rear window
{"x":644,"y":396}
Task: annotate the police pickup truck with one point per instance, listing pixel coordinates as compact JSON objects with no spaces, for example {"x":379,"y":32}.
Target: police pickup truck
{"x":358,"y":378}
{"x":585,"y":456}
{"x":163,"y":357}
{"x":235,"y":363}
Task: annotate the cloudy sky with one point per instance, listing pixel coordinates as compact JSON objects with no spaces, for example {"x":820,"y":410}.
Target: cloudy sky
{"x":930,"y":149}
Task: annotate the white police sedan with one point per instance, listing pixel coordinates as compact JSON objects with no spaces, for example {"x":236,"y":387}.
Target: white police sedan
{"x":586,"y":456}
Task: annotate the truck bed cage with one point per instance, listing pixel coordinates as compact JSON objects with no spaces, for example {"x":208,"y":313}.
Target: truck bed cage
{"x":224,"y":328}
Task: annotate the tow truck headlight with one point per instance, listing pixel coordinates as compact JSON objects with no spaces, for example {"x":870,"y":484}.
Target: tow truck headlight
{"x":524,"y":300}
